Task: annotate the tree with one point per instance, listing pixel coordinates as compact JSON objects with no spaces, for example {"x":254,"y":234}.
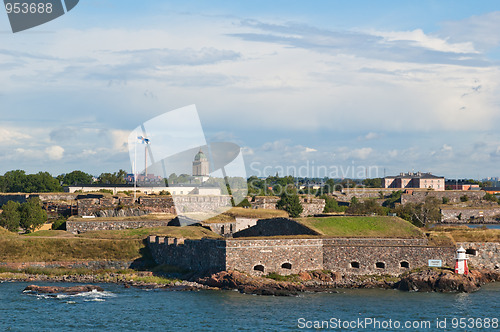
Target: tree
{"x":394,"y":198}
{"x":113,"y":178}
{"x":422,"y":213}
{"x":11,"y":217}
{"x":32,"y":214}
{"x":290,"y":203}
{"x":331,"y":205}
{"x":369,"y":206}
{"x":373,"y":183}
{"x":75,"y":177}
{"x":18,"y":181}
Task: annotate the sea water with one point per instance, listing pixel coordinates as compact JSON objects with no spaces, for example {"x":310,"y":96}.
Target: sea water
{"x":132,"y":309}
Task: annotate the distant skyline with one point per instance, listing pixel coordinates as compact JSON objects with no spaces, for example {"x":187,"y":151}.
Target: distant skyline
{"x":394,"y":85}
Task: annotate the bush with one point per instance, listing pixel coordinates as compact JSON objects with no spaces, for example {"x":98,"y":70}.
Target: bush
{"x":446,"y":200}
{"x":59,"y":223}
{"x":464,"y":198}
{"x":244,"y":203}
{"x":331,"y":205}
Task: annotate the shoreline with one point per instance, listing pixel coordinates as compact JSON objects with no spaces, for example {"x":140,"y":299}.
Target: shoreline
{"x":426,"y":280}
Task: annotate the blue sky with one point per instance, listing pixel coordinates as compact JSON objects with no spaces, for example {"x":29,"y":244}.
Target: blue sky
{"x":390,"y":85}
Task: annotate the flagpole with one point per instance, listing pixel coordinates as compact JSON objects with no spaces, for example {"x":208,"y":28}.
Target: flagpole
{"x":135,"y":170}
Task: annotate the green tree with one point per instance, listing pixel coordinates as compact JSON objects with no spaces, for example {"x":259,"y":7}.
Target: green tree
{"x":75,"y":177}
{"x":290,"y":202}
{"x":32,"y":214}
{"x":14,"y":181}
{"x":331,"y":205}
{"x":422,"y":213}
{"x":113,"y":178}
{"x":11,"y":216}
{"x":394,"y":198}
{"x":373,"y":183}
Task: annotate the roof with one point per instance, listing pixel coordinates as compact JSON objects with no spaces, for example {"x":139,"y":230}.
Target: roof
{"x":417,"y":175}
{"x":200,"y":156}
{"x":491,"y":188}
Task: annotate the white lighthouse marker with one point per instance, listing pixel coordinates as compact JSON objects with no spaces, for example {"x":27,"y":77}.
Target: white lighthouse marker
{"x":461,"y":264}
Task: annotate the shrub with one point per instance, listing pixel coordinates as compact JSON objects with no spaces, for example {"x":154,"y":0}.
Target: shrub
{"x":464,"y":198}
{"x":59,"y":223}
{"x":446,"y":200}
{"x":244,"y":203}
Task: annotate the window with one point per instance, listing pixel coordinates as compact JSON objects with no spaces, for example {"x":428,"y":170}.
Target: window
{"x":355,"y":265}
{"x":404,"y":265}
{"x":259,"y":268}
{"x":287,"y":266}
{"x":471,"y":252}
{"x":380,"y":265}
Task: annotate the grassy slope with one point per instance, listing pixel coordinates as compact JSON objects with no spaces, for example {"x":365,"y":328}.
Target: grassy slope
{"x":189,"y":232}
{"x":384,"y":227}
{"x":231,"y":214}
{"x":466,"y":234}
{"x":104,"y":245}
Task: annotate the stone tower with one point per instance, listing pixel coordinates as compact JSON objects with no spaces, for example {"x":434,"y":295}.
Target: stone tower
{"x":200,"y":165}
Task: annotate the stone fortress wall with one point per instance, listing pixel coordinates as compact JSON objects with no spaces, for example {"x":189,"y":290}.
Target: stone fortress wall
{"x":418,"y":196}
{"x":311,"y":205}
{"x":293,"y":255}
{"x":470,"y":215}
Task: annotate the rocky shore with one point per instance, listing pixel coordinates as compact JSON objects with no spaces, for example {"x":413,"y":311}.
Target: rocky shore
{"x":428,"y":280}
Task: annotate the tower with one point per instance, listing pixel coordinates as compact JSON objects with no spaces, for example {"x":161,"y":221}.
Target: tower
{"x":201,"y":166}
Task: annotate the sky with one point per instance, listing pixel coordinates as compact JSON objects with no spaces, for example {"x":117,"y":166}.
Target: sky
{"x":306,"y":88}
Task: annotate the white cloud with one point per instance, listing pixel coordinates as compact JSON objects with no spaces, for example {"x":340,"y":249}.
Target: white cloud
{"x":362,"y":153}
{"x":310,"y":150}
{"x":418,"y":38}
{"x":9,"y":135}
{"x":55,"y":152}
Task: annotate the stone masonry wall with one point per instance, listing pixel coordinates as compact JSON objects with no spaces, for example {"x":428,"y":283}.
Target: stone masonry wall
{"x":312,"y":206}
{"x":290,"y":256}
{"x":470,"y":215}
{"x":87,"y":225}
{"x":264,"y":202}
{"x":197,"y":255}
{"x":381,"y":256}
{"x":484,"y":255}
{"x":452,"y":195}
{"x":93,"y":265}
{"x":284,"y":256}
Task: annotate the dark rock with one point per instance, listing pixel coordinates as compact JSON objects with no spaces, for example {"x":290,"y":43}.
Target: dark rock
{"x":64,"y":290}
{"x":251,"y":285}
{"x":440,"y":281}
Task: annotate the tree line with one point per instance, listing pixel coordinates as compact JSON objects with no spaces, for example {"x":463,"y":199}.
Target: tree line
{"x":18,"y":181}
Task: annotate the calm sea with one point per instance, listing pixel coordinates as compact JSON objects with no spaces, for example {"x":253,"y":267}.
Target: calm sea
{"x":121,"y":309}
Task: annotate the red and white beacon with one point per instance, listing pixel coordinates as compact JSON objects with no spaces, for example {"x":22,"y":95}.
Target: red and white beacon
{"x":461,"y":264}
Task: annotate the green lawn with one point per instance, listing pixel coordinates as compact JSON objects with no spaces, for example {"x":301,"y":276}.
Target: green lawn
{"x":350,"y":226}
{"x":188,"y":232}
{"x":125,"y":245}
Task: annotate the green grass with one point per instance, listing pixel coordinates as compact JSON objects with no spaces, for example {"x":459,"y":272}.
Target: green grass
{"x":367,"y":227}
{"x":37,"y":249}
{"x":231,"y":214}
{"x":188,"y":232}
{"x":466,"y":234}
{"x":47,"y":233}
